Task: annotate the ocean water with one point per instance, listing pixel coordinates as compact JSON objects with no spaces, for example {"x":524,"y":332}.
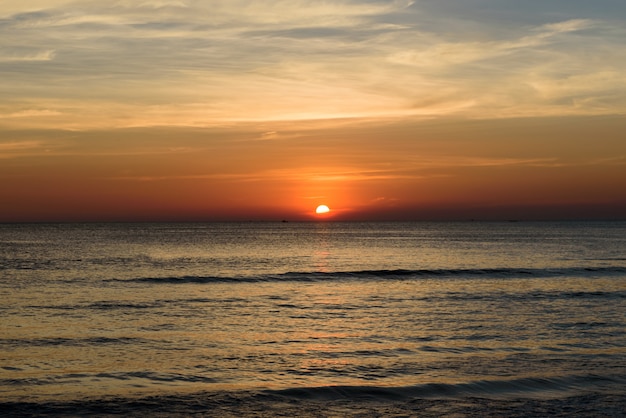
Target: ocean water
{"x":313,"y":319}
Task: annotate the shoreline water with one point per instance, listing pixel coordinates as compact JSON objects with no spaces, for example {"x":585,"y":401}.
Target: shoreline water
{"x":299,"y":404}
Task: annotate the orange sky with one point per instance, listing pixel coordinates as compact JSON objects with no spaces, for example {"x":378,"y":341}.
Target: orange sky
{"x":546,"y":168}
{"x":174,"y":110}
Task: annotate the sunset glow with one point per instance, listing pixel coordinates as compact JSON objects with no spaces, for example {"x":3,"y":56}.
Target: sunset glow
{"x":188,"y":110}
{"x":321,"y":209}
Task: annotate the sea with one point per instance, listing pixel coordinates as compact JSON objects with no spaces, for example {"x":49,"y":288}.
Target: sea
{"x":319,"y":319}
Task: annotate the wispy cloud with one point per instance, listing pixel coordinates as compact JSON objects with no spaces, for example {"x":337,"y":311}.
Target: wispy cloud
{"x":13,"y":149}
{"x":17,"y":56}
{"x":21,"y":145}
{"x":196,"y":63}
{"x":444,"y":54}
{"x":29,"y":113}
{"x":411,"y":170}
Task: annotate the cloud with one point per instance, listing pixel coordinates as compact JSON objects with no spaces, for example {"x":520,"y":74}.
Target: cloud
{"x":446,"y":53}
{"x":197,"y":63}
{"x":15,"y":149}
{"x":30,"y":113}
{"x":21,"y":145}
{"x":17,"y":56}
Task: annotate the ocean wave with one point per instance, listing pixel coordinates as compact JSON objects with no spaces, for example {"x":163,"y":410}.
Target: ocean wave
{"x":497,"y":388}
{"x":531,"y":386}
{"x":512,"y":398}
{"x":69,"y":342}
{"x":399,"y":274}
{"x":122,"y":376}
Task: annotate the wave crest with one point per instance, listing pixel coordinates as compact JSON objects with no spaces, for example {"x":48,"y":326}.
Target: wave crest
{"x":397,"y":274}
{"x":531,"y":386}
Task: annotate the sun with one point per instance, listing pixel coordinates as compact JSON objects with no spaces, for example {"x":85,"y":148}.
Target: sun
{"x":321,"y":209}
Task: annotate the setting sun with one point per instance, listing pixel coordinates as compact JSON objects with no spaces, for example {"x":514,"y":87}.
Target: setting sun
{"x":322,"y":209}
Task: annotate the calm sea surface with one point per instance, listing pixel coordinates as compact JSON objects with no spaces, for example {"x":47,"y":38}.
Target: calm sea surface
{"x":202,"y":318}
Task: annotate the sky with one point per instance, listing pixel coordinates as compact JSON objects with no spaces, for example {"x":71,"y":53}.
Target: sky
{"x":194,"y":110}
